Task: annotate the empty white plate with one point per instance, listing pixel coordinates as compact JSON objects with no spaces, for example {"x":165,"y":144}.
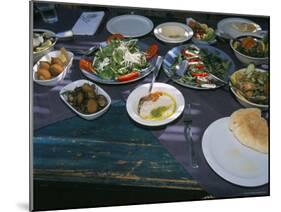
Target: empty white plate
{"x":173,"y":32}
{"x":232,"y":160}
{"x":129,"y":25}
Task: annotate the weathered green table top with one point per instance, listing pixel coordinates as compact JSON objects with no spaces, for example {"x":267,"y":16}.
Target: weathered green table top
{"x":109,"y":150}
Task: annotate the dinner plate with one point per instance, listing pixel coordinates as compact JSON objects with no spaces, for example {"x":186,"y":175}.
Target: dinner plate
{"x":130,"y":26}
{"x":143,"y":72}
{"x":173,"y":32}
{"x":232,"y":160}
{"x":171,"y":56}
{"x":226,"y":30}
{"x":135,"y":96}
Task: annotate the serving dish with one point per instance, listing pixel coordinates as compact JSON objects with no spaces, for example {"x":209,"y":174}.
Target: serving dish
{"x":243,"y":100}
{"x":230,"y":28}
{"x":203,"y":34}
{"x":210,"y":59}
{"x":120,"y":61}
{"x":246,"y":58}
{"x":55,"y":80}
{"x":132,"y":104}
{"x":173,"y":32}
{"x":80,"y":83}
{"x":40,"y":53}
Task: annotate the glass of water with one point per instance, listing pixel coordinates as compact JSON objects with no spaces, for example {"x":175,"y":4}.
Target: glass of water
{"x":48,"y":13}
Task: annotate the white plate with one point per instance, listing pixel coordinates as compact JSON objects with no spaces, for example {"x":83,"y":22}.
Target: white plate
{"x":173,"y":32}
{"x":99,"y":90}
{"x":134,"y":97}
{"x":55,"y":80}
{"x":230,"y":159}
{"x":129,"y":26}
{"x":225,"y":29}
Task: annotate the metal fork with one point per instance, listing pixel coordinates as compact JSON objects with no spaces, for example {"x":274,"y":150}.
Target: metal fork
{"x":188,"y":136}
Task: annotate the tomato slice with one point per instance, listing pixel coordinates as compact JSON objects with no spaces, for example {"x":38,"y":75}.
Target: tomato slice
{"x":151,"y":51}
{"x":200,"y":66}
{"x":128,"y":77}
{"x":194,"y":60}
{"x":187,"y":54}
{"x":86,"y":65}
{"x":205,"y":74}
{"x":114,"y":36}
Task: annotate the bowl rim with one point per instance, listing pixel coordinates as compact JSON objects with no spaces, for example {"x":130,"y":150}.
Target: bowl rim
{"x":97,"y":87}
{"x":45,"y":30}
{"x":241,"y":54}
{"x":242,"y":98}
{"x":56,"y":77}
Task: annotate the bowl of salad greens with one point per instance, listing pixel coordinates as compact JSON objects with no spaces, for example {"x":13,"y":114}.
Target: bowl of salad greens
{"x":203,"y":34}
{"x":205,"y":65}
{"x":250,"y":86}
{"x":251,"y":48}
{"x":120,"y":61}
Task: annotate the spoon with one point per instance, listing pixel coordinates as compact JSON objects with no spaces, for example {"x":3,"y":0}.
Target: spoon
{"x":156,"y":70}
{"x":61,"y":35}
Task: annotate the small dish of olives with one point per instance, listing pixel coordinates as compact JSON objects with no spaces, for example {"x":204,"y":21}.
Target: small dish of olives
{"x":86,"y":99}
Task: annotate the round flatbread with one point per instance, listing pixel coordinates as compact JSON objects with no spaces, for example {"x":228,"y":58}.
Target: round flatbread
{"x":250,"y":129}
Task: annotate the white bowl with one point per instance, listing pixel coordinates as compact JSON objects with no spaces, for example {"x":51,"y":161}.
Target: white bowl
{"x":38,"y":55}
{"x":99,"y":90}
{"x":247,"y":59}
{"x":134,"y":97}
{"x":242,"y":100}
{"x":55,"y":80}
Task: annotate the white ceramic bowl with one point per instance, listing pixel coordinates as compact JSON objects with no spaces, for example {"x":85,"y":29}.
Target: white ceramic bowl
{"x":55,"y":80}
{"x":242,"y":100}
{"x":247,"y":59}
{"x":134,"y":97}
{"x":38,"y":55}
{"x":99,"y":90}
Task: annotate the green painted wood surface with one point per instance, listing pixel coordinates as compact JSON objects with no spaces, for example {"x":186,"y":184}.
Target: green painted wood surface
{"x":108,"y":150}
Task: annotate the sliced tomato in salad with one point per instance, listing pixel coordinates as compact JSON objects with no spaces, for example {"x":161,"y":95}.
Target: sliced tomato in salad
{"x":204,"y":74}
{"x":194,"y":60}
{"x":151,"y":51}
{"x":128,"y":77}
{"x":114,"y":36}
{"x":199,"y":66}
{"x":186,"y":53}
{"x":86,"y":65}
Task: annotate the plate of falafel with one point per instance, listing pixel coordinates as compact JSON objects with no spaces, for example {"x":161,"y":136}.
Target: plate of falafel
{"x":52,"y":68}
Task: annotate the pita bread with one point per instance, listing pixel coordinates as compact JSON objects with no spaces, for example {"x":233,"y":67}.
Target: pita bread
{"x":250,"y":129}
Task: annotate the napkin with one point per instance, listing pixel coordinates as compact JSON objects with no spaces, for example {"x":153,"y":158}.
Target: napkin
{"x":88,"y":23}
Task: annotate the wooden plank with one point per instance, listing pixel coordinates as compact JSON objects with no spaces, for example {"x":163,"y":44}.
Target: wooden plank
{"x":109,"y":150}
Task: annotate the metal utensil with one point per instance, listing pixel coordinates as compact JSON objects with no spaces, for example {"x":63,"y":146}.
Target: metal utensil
{"x":180,"y":71}
{"x":61,"y":35}
{"x":87,"y":52}
{"x":156,"y":70}
{"x":188,"y":136}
